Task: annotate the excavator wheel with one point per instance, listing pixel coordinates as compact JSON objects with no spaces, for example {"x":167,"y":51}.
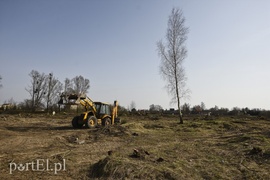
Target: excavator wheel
{"x":91,"y":122}
{"x":75,"y":122}
{"x":106,"y":121}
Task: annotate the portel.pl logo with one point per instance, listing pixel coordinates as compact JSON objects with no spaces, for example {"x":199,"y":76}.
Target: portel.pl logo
{"x":38,"y":165}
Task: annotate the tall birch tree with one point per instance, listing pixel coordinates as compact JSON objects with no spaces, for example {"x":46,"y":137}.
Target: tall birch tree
{"x":172,"y":55}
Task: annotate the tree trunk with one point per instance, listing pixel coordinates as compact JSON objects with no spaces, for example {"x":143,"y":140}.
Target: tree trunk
{"x":179,"y":109}
{"x":178,"y":104}
{"x":181,"y":117}
{"x":177,"y":93}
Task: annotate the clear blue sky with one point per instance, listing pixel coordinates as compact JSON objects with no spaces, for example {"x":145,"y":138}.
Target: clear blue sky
{"x":113,"y":44}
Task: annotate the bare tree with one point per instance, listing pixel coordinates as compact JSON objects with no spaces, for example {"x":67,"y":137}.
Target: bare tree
{"x":154,"y":107}
{"x":203,"y":106}
{"x":25,"y":105}
{"x":81,"y":85}
{"x":0,"y":82}
{"x":78,"y":85}
{"x":186,"y":108}
{"x":54,"y":88}
{"x":172,"y":55}
{"x":197,"y":109}
{"x":68,"y":86}
{"x":132,"y":106}
{"x":10,"y":101}
{"x":37,"y":89}
{"x":67,"y":89}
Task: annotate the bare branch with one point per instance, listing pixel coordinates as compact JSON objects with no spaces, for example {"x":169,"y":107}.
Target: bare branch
{"x":54,"y":87}
{"x":37,"y":89}
{"x":81,"y":85}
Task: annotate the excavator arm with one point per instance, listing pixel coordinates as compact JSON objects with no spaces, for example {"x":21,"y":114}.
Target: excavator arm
{"x":85,"y":101}
{"x":82,"y":99}
{"x":115,"y":113}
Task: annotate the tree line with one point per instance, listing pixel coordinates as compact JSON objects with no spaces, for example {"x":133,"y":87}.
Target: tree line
{"x":45,"y":90}
{"x":187,"y":109}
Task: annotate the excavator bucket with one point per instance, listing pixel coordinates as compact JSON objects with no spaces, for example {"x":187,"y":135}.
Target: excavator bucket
{"x":73,"y":97}
{"x":76,"y":97}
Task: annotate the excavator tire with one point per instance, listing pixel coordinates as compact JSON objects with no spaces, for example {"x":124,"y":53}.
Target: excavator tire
{"x":91,"y":122}
{"x":106,"y":121}
{"x":75,"y":122}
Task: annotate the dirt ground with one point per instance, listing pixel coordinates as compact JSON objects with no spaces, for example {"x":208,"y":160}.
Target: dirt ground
{"x":143,"y":147}
{"x":26,"y":139}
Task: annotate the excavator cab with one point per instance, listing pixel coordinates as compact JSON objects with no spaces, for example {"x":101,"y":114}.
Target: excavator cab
{"x":102,"y":109}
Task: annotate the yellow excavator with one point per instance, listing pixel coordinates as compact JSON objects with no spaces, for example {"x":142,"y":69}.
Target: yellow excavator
{"x":96,"y":113}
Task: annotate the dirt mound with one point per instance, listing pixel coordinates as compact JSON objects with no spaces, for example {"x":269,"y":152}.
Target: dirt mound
{"x":135,"y":126}
{"x":139,"y":163}
{"x":115,"y":130}
{"x":113,"y":167}
{"x":259,"y":155}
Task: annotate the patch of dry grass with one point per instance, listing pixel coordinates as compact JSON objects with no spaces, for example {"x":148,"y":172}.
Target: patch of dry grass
{"x":141,"y":148}
{"x":200,"y":149}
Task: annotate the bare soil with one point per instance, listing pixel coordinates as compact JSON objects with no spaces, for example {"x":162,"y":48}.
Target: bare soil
{"x":143,"y":147}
